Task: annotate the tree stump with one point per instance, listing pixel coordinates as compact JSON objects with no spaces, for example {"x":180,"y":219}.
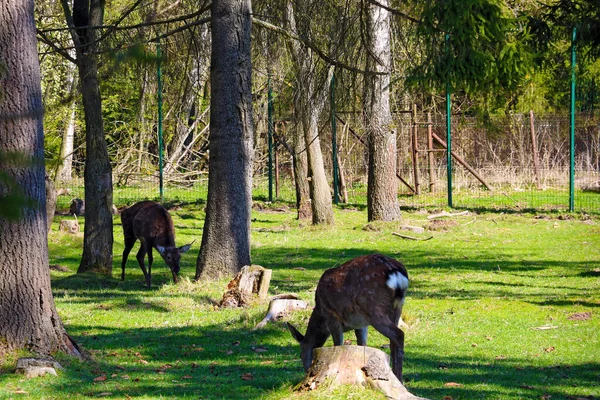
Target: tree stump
{"x":251,"y":280}
{"x":354,"y":365}
{"x":69,"y":226}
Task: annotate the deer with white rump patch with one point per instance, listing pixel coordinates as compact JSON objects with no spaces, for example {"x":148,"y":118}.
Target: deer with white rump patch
{"x":367,"y":290}
{"x":152,"y":225}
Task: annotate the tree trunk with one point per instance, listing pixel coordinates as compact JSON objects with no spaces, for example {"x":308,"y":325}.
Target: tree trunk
{"x":28,"y":317}
{"x":354,"y":365}
{"x":64,"y":172}
{"x":225,"y":245}
{"x":382,"y":191}
{"x":301,"y":176}
{"x":98,"y":230}
{"x":320,"y":193}
{"x":309,"y":103}
{"x":65,"y":169}
{"x":50,"y":201}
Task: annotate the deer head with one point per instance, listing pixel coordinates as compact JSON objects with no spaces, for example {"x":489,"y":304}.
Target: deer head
{"x":171,"y":255}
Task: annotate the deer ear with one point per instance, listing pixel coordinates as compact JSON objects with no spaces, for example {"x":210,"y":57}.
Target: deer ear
{"x":297,"y":335}
{"x":185,"y":248}
{"x":161,"y":250}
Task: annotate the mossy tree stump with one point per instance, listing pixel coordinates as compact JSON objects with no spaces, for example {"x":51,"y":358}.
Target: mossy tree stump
{"x":354,"y":365}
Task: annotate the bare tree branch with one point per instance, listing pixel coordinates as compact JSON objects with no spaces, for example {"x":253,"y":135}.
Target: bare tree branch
{"x":313,"y":47}
{"x":62,"y":51}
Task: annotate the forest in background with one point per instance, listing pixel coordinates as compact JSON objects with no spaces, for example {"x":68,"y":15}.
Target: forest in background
{"x":504,"y":59}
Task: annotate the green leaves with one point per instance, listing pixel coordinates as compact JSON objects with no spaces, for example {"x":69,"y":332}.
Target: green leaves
{"x":484,"y":50}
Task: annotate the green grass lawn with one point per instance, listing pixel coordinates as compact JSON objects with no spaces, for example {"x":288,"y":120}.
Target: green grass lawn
{"x":500,"y":306}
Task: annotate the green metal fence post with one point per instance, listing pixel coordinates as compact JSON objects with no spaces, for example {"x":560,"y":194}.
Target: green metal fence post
{"x":448,"y":133}
{"x":270,"y":137}
{"x":572,"y":125}
{"x":336,"y":197}
{"x":160,"y":120}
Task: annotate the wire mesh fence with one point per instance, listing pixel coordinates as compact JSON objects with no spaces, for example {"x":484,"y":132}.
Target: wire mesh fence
{"x":519,"y":162}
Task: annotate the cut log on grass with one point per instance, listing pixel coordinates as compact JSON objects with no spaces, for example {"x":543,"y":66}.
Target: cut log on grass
{"x":446,"y":214}
{"x":354,"y":365}
{"x":280,"y":306}
{"x":251,"y":280}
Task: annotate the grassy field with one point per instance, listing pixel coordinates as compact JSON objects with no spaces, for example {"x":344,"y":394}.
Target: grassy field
{"x":500,"y":306}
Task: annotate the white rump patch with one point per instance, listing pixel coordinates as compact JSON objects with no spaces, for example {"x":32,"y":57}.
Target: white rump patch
{"x":397,"y":281}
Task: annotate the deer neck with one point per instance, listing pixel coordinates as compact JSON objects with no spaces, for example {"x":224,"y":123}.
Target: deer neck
{"x":317,"y":331}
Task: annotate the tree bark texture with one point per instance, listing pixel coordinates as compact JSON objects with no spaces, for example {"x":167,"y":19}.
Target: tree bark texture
{"x":98,"y":229}
{"x":309,"y":102}
{"x":51,"y":196}
{"x":64,"y":172}
{"x":28,"y":317}
{"x":301,"y":175}
{"x":382,"y":192}
{"x":225,"y":245}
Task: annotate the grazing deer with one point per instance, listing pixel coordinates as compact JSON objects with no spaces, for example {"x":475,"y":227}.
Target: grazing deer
{"x":152,"y":225}
{"x":367,"y":290}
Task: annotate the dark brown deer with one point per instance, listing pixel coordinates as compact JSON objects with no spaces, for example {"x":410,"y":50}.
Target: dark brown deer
{"x":152,"y":225}
{"x":367,"y":290}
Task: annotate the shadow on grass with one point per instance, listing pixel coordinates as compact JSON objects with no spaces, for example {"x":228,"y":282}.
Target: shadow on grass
{"x":298,"y":270}
{"x":216,"y":361}
{"x":220,"y":360}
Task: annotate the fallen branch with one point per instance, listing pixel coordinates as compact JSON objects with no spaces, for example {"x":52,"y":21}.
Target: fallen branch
{"x":446,"y":214}
{"x":411,"y":237}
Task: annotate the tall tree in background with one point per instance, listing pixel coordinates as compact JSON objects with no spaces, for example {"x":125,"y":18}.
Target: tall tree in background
{"x":382,"y":192}
{"x":226,"y":236}
{"x":310,"y":99}
{"x":83,"y":23}
{"x":28,"y":317}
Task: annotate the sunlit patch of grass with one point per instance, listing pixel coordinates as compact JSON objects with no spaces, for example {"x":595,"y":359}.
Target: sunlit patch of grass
{"x":489,"y":311}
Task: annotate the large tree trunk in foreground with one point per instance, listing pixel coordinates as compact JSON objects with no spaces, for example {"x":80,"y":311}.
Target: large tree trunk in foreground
{"x":225,"y":245}
{"x":354,"y":365}
{"x":98,"y":230}
{"x":382,"y":192}
{"x":28,"y":317}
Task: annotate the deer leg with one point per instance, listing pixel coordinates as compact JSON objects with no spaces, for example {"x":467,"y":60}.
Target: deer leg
{"x":150,"y":260}
{"x":396,"y":335}
{"x":129,"y":242}
{"x":337,"y":333}
{"x":361,"y":336}
{"x":140,"y":257}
